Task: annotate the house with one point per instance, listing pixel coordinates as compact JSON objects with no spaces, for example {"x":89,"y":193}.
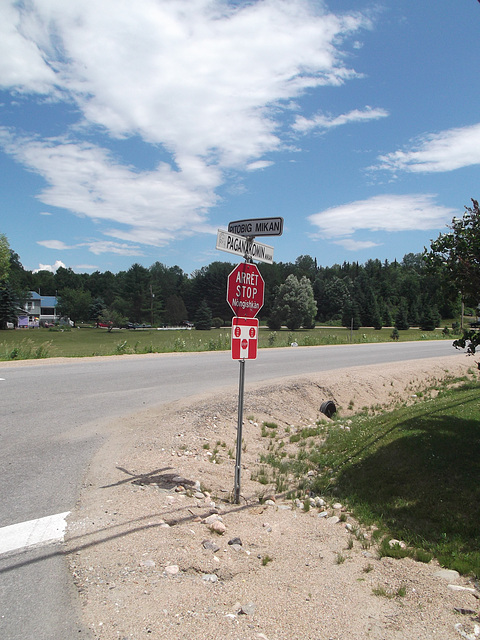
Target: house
{"x":38,"y":311}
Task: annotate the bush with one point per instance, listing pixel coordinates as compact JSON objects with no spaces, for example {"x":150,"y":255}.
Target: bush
{"x":217,"y":322}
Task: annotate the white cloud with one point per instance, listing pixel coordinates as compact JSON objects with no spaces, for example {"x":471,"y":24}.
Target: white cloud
{"x":320,"y":121}
{"x":22,"y":65}
{"x":356,"y":245}
{"x":207,"y":80}
{"x":388,"y":213}
{"x":50,"y":267}
{"x":153,"y":206}
{"x":445,"y":151}
{"x":98,"y":247}
{"x":58,"y":245}
{"x":260,"y":164}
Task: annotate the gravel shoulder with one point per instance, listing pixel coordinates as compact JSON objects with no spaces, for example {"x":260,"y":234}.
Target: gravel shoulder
{"x":146,"y":564}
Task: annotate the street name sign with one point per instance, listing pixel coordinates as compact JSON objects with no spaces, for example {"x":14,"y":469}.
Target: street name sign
{"x":245,"y":290}
{"x":243,"y":246}
{"x":244,"y":338}
{"x":257,"y":227}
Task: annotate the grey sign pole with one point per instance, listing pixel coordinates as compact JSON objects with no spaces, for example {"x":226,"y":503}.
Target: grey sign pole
{"x":238,"y":458}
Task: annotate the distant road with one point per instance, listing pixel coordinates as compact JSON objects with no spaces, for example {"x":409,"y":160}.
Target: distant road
{"x":53,"y":417}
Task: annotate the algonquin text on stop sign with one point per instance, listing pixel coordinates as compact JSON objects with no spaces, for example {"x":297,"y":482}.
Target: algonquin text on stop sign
{"x":246,"y":290}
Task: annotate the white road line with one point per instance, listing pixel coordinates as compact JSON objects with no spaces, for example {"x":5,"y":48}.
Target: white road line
{"x":27,"y":534}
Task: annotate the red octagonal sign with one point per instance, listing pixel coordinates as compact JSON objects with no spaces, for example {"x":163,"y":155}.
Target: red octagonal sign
{"x":245,"y":290}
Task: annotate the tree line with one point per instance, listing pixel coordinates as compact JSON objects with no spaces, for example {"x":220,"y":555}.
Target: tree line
{"x":376,"y":293}
{"x":420,"y":290}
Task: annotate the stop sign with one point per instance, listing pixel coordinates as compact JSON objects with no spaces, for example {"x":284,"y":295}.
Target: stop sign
{"x":245,"y":289}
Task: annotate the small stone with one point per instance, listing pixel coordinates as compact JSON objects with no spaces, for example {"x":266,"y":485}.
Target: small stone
{"x":323,"y":514}
{"x":447,"y":574}
{"x":457,"y":587}
{"x":333,"y":520}
{"x":218,"y":527}
{"x":235,"y":541}
{"x":337,"y":505}
{"x":270,"y":503}
{"x":210,"y":577}
{"x":214,"y":517}
{"x":172,"y":570}
{"x":210,"y":546}
{"x":147,"y":563}
{"x":247,"y":609}
{"x":349,"y":527}
{"x":199,"y":495}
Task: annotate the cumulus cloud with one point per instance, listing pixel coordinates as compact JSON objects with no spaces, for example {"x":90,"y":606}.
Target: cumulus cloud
{"x":206,"y":81}
{"x":390,"y":213}
{"x":445,"y":151}
{"x":320,"y":121}
{"x":50,"y":267}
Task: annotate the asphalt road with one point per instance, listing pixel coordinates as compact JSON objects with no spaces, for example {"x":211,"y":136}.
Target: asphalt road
{"x":54,"y":417}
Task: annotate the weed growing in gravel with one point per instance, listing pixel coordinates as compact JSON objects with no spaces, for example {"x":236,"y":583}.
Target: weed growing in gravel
{"x":401,"y":592}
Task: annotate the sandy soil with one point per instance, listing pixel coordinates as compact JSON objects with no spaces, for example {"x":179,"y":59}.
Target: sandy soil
{"x":146,"y":564}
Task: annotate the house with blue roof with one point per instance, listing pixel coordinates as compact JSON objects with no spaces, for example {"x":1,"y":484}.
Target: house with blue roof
{"x":38,"y":311}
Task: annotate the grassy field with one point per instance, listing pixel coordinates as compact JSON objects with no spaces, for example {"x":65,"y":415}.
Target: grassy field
{"x":87,"y":341}
{"x":412,"y":473}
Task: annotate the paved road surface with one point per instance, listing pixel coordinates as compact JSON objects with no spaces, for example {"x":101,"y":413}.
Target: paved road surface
{"x":53,"y":418}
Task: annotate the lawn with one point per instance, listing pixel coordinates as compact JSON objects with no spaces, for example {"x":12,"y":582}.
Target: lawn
{"x":412,"y":473}
{"x":88,"y":341}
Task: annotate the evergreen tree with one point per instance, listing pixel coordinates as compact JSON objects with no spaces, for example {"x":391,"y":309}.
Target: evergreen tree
{"x":203,"y":317}
{"x":7,"y":305}
{"x":351,"y":315}
{"x":401,"y":318}
{"x":175,"y":311}
{"x":430,"y":319}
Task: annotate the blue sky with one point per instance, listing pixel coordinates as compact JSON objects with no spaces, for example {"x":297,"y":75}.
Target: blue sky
{"x":132,"y":131}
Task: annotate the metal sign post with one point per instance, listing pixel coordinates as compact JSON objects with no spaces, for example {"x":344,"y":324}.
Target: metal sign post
{"x":245,"y":291}
{"x":238,"y":457}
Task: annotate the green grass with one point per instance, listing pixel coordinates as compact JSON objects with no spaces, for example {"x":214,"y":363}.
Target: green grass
{"x":85,"y":341}
{"x":415,"y":473}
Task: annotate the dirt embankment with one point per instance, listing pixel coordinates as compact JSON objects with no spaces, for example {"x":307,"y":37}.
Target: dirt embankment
{"x":147,"y":563}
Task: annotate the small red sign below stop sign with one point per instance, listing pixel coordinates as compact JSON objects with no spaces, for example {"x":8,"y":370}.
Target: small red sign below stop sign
{"x":244,"y":338}
{"x":245,"y":290}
